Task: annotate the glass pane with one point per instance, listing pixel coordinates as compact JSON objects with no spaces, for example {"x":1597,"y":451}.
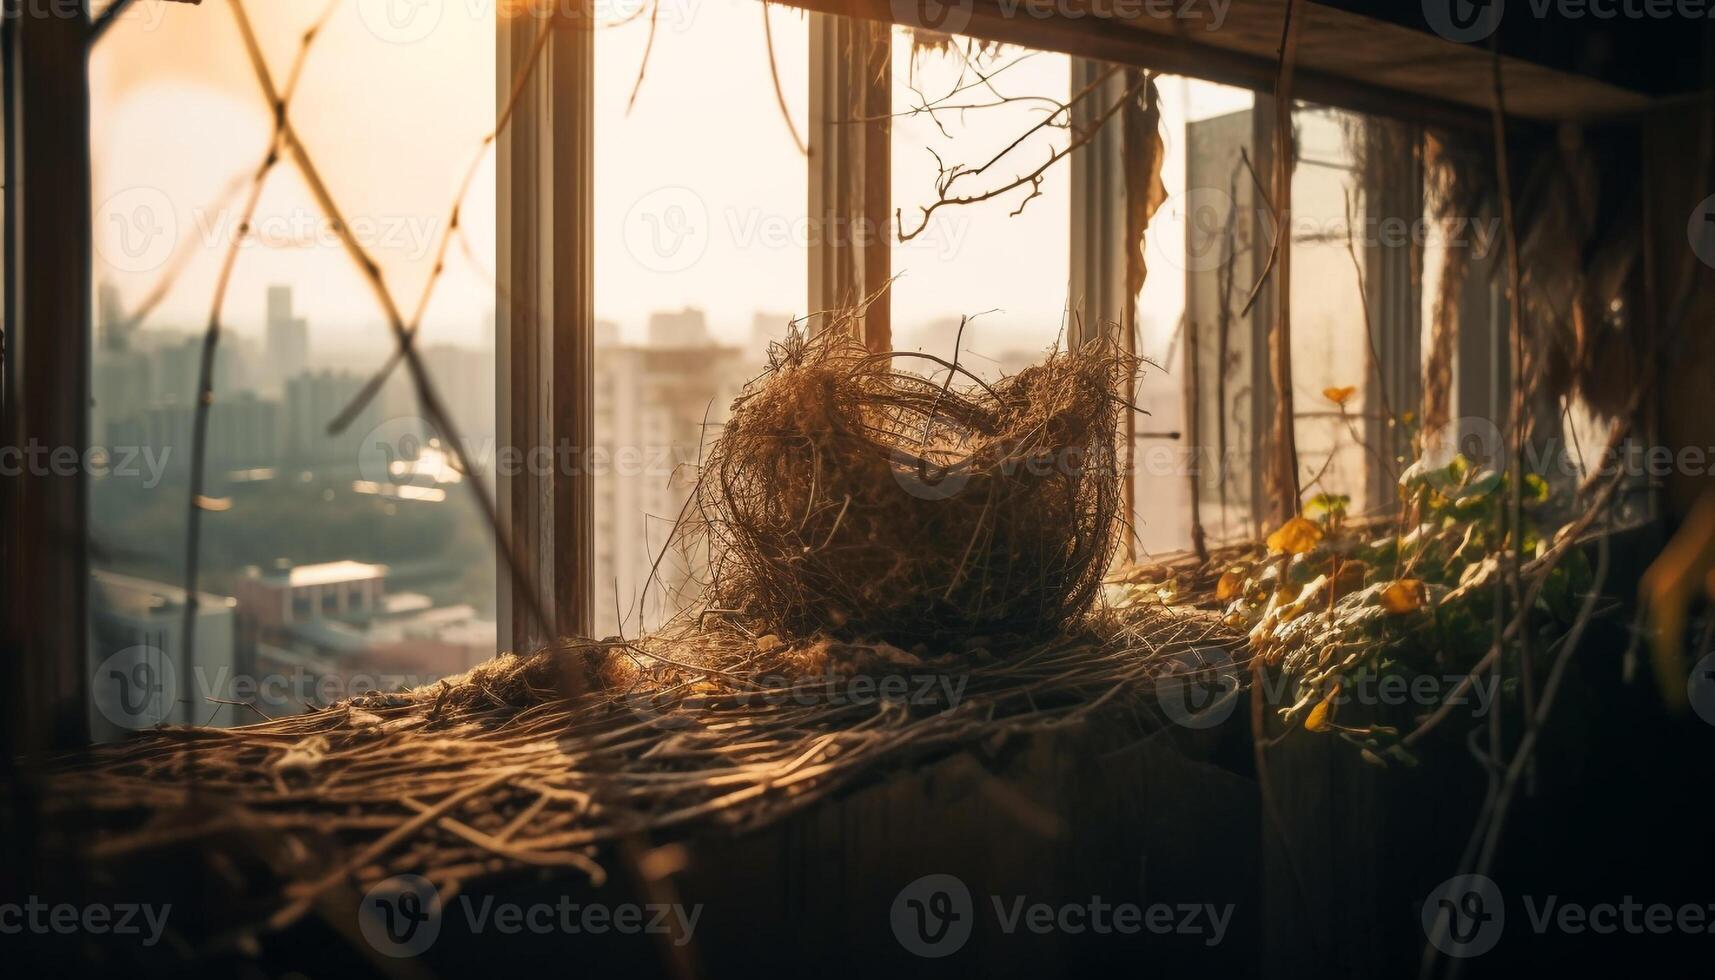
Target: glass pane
{"x":1205,"y":249}
{"x":700,"y":251}
{"x":329,"y":564}
{"x":1330,"y":351}
{"x":1004,"y":267}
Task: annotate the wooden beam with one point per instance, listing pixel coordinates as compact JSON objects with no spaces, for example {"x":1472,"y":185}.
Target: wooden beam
{"x":44,"y":503}
{"x":1348,"y":61}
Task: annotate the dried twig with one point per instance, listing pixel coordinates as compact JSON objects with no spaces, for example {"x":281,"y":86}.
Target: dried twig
{"x":280,"y":101}
{"x":948,"y":176}
{"x":779,"y":93}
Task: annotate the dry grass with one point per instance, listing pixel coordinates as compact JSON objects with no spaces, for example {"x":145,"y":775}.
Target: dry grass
{"x":498,"y":771}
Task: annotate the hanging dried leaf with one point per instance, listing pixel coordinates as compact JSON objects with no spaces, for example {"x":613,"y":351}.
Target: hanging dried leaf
{"x":1321,"y":717}
{"x":1295,"y":537}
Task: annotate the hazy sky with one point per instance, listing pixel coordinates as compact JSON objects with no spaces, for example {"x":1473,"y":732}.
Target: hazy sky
{"x":393,"y":104}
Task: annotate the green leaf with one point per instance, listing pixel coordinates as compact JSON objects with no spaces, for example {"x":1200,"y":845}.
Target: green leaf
{"x":1325,"y":505}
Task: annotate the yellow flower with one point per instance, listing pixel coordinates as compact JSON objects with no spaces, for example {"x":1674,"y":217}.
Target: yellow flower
{"x":1295,"y":537}
{"x":1339,"y":396}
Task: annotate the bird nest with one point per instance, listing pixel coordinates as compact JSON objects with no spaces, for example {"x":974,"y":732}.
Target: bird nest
{"x":852,"y":497}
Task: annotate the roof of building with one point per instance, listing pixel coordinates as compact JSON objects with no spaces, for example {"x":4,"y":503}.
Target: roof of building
{"x":143,"y":596}
{"x":329,"y":573}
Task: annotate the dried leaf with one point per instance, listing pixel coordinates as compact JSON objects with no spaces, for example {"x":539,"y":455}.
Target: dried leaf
{"x":1667,"y":588}
{"x":1320,"y":718}
{"x":1407,"y":595}
{"x":1229,"y":586}
{"x":1295,"y":537}
{"x":1350,"y":577}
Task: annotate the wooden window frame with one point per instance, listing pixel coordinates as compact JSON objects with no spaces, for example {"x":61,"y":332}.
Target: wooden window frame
{"x":851,"y":172}
{"x":545,"y":327}
{"x":44,"y":533}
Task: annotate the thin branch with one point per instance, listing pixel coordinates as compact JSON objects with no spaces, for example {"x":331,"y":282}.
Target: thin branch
{"x":98,"y":27}
{"x":211,"y":341}
{"x":648,"y":46}
{"x":1032,"y":179}
{"x":774,"y":73}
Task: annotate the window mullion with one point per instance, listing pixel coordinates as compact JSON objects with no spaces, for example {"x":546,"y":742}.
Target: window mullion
{"x":851,"y":166}
{"x":545,"y":327}
{"x":1098,"y":254}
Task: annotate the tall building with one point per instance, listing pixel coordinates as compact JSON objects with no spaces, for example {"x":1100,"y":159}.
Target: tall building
{"x":607,"y":334}
{"x":681,"y":328}
{"x":176,"y":367}
{"x":140,"y":678}
{"x":765,"y":329}
{"x":112,"y":327}
{"x":464,"y":377}
{"x":123,"y":384}
{"x":243,"y":432}
{"x":288,"y":337}
{"x":652,"y":403}
{"x":312,"y":400}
